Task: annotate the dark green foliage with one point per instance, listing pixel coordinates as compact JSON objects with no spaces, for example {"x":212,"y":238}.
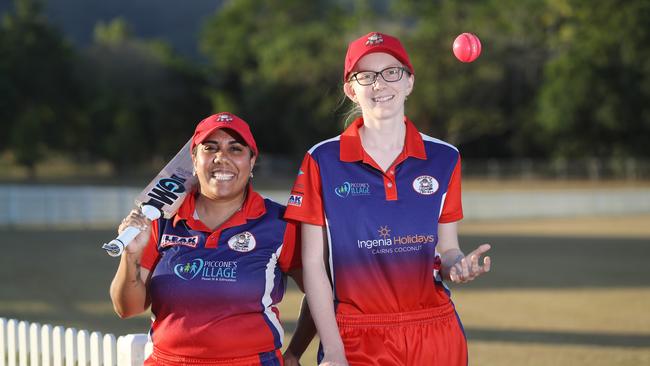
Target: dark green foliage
{"x":123,"y":100}
{"x":143,"y":101}
{"x":556,"y":79}
{"x":594,"y":98}
{"x":278,"y":65}
{"x":38,"y":91}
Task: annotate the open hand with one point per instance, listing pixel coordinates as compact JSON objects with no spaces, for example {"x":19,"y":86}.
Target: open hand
{"x":468,"y":268}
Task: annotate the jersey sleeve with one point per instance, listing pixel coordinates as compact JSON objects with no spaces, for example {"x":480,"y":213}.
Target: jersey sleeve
{"x":290,"y":256}
{"x":452,"y":209}
{"x":150,"y":254}
{"x":305,"y":202}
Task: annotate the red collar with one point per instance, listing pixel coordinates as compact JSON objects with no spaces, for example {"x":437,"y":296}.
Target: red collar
{"x":352,"y":149}
{"x":252,"y":208}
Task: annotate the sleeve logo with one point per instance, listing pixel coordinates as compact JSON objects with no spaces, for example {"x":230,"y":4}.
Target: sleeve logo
{"x":295,"y":200}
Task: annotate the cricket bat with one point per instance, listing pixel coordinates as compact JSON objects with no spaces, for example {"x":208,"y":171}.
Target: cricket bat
{"x":162,"y":197}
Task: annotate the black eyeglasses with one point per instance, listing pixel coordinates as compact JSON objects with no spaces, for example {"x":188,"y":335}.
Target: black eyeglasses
{"x":391,"y":75}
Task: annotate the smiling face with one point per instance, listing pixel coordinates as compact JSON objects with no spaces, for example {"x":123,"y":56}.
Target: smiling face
{"x":380,"y":100}
{"x":223,"y":164}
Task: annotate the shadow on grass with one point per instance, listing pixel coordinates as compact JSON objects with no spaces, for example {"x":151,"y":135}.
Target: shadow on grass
{"x":558,"y":338}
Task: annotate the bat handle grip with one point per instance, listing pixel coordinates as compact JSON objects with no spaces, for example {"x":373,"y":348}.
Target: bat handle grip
{"x":115,"y":247}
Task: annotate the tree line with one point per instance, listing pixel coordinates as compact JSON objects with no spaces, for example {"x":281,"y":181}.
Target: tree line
{"x":556,"y":79}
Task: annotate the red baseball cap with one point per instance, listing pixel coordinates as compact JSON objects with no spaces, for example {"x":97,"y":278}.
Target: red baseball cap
{"x":375,"y":42}
{"x":224,"y":120}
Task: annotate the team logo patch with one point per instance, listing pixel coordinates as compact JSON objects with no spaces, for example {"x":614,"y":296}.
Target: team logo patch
{"x":189,"y":270}
{"x":242,"y":242}
{"x":295,"y":200}
{"x":374,"y":39}
{"x":170,"y":240}
{"x":224,"y":118}
{"x":426,"y":185}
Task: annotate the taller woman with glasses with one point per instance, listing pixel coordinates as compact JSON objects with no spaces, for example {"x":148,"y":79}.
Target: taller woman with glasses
{"x":379,"y":206}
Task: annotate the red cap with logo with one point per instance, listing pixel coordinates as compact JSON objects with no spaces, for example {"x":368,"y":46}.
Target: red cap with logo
{"x":371,"y":43}
{"x":224,"y":120}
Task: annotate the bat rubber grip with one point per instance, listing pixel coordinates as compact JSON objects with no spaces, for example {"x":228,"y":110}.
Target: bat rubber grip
{"x":115,"y":247}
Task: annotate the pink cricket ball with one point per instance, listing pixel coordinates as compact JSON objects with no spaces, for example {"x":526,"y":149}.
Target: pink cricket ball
{"x":467,"y":47}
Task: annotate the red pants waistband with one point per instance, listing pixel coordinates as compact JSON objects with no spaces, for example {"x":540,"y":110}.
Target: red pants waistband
{"x":162,"y":358}
{"x":396,"y":319}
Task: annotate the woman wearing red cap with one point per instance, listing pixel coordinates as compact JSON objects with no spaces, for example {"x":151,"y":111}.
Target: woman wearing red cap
{"x":379,"y":206}
{"x":214,"y":273}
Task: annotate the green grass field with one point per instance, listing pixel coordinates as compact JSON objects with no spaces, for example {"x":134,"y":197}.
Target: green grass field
{"x":550,"y":300}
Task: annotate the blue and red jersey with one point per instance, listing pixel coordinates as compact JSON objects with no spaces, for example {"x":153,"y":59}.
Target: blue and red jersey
{"x":214,"y":293}
{"x":382,"y":226}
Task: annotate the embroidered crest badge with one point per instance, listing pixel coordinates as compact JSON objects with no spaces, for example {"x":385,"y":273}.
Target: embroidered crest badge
{"x":224,"y":118}
{"x":426,"y":185}
{"x":242,"y":242}
{"x":374,"y":39}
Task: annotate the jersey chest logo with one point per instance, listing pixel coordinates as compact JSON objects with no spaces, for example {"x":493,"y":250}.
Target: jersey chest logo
{"x":189,"y":270}
{"x":242,"y":242}
{"x":425,"y":185}
{"x":352,"y":189}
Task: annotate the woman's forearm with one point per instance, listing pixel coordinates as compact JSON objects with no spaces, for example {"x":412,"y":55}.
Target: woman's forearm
{"x":305,"y":331}
{"x":128,"y":290}
{"x":321,"y":304}
{"x":319,"y":290}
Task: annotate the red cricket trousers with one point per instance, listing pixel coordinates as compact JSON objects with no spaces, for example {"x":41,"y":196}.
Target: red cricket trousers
{"x":426,"y":337}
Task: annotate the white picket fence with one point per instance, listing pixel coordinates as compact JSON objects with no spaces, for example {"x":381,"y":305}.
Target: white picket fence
{"x":31,"y":344}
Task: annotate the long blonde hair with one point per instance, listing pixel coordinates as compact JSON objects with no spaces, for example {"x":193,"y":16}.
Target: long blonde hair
{"x":352,"y":112}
